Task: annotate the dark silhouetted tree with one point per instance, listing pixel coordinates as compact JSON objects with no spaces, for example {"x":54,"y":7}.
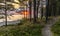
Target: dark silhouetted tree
{"x":47,"y":9}
{"x":34,"y":1}
{"x":30,"y":8}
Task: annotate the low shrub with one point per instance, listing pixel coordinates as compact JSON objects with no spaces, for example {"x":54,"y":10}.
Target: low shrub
{"x":26,"y":28}
{"x":56,"y":29}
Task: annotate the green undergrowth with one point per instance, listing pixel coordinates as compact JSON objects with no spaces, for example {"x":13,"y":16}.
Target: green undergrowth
{"x":56,"y":29}
{"x":25,"y":28}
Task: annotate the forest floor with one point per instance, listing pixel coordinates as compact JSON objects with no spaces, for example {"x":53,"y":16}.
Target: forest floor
{"x":46,"y":31}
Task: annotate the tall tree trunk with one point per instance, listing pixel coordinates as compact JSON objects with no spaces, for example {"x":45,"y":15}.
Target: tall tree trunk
{"x":38,"y":3}
{"x":41,"y":9}
{"x":30,"y":5}
{"x":47,"y":9}
{"x":54,"y":7}
{"x":5,"y":13}
{"x":50,"y":7}
{"x":34,"y":1}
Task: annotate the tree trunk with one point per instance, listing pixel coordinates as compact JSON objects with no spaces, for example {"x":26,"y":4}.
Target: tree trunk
{"x":47,"y":9}
{"x":54,"y":7}
{"x":34,"y":1}
{"x":41,"y":9}
{"x":38,"y":3}
{"x":30,"y":5}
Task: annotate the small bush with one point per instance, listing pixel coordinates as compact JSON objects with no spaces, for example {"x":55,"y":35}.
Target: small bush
{"x":26,"y":28}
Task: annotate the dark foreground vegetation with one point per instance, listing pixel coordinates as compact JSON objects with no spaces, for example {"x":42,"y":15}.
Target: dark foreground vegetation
{"x":56,"y":29}
{"x":25,"y":28}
